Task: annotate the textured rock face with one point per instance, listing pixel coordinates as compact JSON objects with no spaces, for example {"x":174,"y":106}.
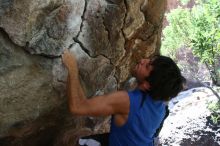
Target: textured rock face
{"x":26,"y":85}
{"x":107,"y":37}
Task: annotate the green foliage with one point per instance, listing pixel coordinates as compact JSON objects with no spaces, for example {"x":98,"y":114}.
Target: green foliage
{"x":214,"y":107}
{"x":215,"y":118}
{"x":197,"y":28}
{"x":175,"y":33}
{"x":206,"y":39}
{"x":184,"y":2}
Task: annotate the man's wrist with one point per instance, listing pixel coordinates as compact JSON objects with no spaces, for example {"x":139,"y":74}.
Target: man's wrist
{"x":73,"y":73}
{"x":73,"y":70}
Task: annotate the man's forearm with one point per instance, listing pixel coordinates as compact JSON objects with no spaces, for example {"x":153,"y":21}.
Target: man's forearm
{"x":75,"y":92}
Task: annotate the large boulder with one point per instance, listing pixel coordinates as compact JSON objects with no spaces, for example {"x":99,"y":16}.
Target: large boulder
{"x":107,"y":37}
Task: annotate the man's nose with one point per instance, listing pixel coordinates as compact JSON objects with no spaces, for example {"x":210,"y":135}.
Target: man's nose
{"x":142,"y":61}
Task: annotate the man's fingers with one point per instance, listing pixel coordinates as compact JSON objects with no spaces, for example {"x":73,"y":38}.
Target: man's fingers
{"x":66,"y":50}
{"x":66,"y":56}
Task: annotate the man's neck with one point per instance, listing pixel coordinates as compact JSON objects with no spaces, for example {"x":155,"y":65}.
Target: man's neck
{"x":141,"y":88}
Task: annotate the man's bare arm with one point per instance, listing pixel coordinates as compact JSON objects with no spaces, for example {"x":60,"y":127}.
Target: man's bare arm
{"x":73,"y":84}
{"x":114,"y":103}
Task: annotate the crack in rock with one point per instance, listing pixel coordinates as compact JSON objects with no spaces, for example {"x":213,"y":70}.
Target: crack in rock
{"x":106,"y":28}
{"x":124,"y":21}
{"x":110,"y":2}
{"x":83,"y":18}
{"x":80,"y":30}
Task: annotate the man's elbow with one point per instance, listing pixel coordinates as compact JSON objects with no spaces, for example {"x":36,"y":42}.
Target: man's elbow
{"x":72,"y":110}
{"x":76,"y":110}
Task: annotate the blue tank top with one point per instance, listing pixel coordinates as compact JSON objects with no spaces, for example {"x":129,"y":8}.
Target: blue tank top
{"x":143,"y":121}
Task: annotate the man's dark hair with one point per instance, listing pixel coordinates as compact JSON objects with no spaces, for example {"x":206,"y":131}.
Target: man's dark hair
{"x":165,"y":79}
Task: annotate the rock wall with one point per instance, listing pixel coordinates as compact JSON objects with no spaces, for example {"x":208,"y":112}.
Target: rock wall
{"x":107,"y":37}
